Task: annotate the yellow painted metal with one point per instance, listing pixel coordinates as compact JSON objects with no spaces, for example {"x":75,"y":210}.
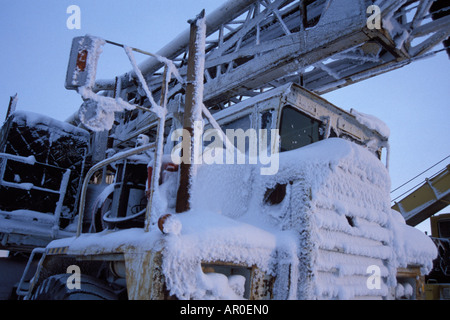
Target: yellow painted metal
{"x":428,"y":199}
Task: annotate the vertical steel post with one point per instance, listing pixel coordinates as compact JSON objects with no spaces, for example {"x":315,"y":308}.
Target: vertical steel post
{"x":159,"y":148}
{"x":12,"y":105}
{"x":192,"y":110}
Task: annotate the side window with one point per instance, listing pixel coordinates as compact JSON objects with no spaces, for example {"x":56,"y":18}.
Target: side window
{"x":266,"y":119}
{"x":297,"y":129}
{"x":241,"y":142}
{"x":444,"y":228}
{"x":243,"y":123}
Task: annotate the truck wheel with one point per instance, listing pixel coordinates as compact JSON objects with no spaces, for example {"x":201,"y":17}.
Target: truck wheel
{"x":102,"y":205}
{"x":55,"y":288}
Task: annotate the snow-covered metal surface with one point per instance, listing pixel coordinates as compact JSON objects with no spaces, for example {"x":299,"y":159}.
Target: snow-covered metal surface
{"x":253,"y":46}
{"x":316,"y":228}
{"x":325,"y":44}
{"x":333,"y":224}
{"x":313,"y":230}
{"x":41,"y":163}
{"x":429,"y":198}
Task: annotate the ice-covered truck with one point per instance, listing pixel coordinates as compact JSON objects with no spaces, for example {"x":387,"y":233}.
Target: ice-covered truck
{"x":278,"y":195}
{"x":319,"y":228}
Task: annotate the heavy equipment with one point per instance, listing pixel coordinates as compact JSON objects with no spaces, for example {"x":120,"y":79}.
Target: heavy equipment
{"x":424,"y":201}
{"x":438,"y":280}
{"x":319,"y":226}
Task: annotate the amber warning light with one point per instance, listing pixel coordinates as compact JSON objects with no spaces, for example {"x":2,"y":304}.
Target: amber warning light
{"x":80,"y":66}
{"x":81,"y":60}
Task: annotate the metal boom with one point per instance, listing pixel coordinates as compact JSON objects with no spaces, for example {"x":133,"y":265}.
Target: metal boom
{"x":255,"y":45}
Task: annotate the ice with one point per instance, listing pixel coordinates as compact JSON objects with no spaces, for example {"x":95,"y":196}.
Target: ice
{"x":95,"y":50}
{"x":220,"y":287}
{"x":412,"y":247}
{"x":98,"y":112}
{"x":337,"y":224}
{"x":200,"y":42}
{"x":334,"y":224}
{"x":33,"y":119}
{"x":398,"y":33}
{"x":372,"y":123}
{"x":172,"y":226}
{"x":154,"y":106}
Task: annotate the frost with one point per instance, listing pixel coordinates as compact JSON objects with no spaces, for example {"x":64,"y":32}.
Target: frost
{"x":220,"y":287}
{"x":98,"y":111}
{"x":32,"y":119}
{"x":398,"y":33}
{"x":172,"y":226}
{"x":333,"y":224}
{"x":154,"y":106}
{"x":372,"y":123}
{"x":95,"y":50}
{"x":412,"y":247}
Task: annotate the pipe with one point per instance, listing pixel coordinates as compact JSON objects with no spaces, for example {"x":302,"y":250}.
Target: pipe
{"x":227,"y":12}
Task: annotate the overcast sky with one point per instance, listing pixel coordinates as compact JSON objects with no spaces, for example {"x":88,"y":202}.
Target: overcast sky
{"x":413,"y":101}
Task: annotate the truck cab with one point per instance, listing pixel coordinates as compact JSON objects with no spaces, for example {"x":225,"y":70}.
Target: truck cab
{"x":320,"y":227}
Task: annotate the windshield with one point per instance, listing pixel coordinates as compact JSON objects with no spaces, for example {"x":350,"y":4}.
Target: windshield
{"x":297,"y":129}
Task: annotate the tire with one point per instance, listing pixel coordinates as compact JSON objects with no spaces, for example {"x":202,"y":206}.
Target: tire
{"x":102,"y":205}
{"x":55,"y":288}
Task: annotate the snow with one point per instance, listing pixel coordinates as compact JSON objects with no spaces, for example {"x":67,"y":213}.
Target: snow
{"x":211,"y":237}
{"x":220,"y":287}
{"x":31,"y":160}
{"x":199,"y":68}
{"x":372,"y":123}
{"x":154,"y":106}
{"x":334,"y":224}
{"x":97,"y":113}
{"x":26,"y":222}
{"x":33,"y":119}
{"x":95,"y":51}
{"x":398,"y":33}
{"x":403,"y":291}
{"x":411,"y":247}
{"x":172,"y":226}
{"x":309,"y":233}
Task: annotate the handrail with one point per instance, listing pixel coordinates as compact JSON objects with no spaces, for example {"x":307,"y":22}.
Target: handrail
{"x":19,"y":290}
{"x":98,"y":166}
{"x":31,"y":160}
